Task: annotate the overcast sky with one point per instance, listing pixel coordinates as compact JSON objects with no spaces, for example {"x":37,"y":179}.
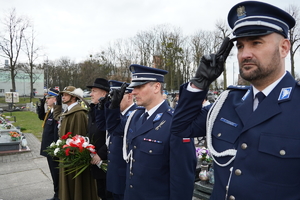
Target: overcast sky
{"x":76,"y":29}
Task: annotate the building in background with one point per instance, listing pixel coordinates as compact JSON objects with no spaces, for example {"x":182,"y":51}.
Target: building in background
{"x":22,"y":83}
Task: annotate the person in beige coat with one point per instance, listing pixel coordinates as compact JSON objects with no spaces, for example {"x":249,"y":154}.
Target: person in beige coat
{"x":74,"y":120}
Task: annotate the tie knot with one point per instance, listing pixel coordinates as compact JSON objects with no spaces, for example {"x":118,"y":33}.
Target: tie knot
{"x":260,"y":96}
{"x":145,"y":117}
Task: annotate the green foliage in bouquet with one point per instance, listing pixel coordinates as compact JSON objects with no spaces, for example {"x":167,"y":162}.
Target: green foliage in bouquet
{"x":74,"y":153}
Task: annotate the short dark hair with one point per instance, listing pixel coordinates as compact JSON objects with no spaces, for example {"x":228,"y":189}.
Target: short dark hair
{"x":161,"y":86}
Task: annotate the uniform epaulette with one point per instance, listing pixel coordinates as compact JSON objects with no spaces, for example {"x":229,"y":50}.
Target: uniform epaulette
{"x":238,"y":87}
{"x":170,"y":111}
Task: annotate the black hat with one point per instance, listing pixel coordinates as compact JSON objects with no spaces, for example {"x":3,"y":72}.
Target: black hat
{"x":253,"y":18}
{"x":100,"y":83}
{"x":52,"y":93}
{"x":142,"y":75}
{"x":117,"y":85}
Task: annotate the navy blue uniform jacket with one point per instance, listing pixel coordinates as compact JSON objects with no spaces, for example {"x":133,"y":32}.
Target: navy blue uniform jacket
{"x":50,"y":131}
{"x":149,"y":177}
{"x":116,"y":171}
{"x":267,"y":140}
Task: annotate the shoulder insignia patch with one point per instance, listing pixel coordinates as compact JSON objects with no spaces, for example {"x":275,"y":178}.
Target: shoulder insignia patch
{"x":157,"y":117}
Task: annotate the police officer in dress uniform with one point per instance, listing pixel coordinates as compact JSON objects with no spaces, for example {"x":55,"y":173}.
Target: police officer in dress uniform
{"x":50,"y":134}
{"x":146,"y":136}
{"x":116,"y":170}
{"x":254,"y":139}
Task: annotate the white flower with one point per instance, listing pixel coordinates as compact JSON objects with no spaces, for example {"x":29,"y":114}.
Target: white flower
{"x":52,"y":144}
{"x":58,"y":142}
{"x":56,"y":151}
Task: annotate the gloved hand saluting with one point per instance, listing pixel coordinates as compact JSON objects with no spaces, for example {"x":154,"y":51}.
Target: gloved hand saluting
{"x":117,"y":96}
{"x":102,"y":101}
{"x":43,"y":101}
{"x":211,"y":66}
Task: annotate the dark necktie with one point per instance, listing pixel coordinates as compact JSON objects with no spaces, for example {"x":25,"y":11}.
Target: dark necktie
{"x":260,"y":96}
{"x":144,"y":117}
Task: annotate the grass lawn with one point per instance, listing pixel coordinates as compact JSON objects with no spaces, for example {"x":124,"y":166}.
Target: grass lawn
{"x":28,"y":121}
{"x":22,"y":100}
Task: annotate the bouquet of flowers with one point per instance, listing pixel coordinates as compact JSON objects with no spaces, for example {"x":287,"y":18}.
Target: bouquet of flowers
{"x":14,"y":135}
{"x":203,"y":154}
{"x":74,"y":152}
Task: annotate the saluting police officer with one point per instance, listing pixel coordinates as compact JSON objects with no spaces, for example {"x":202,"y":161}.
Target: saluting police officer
{"x":116,"y":169}
{"x":252,"y":132}
{"x":146,"y":136}
{"x":50,"y":134}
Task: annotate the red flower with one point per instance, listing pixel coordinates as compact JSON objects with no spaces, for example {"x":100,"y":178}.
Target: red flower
{"x":67,"y":152}
{"x":64,"y":137}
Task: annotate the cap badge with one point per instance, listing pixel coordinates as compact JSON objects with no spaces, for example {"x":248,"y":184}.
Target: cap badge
{"x":241,"y":12}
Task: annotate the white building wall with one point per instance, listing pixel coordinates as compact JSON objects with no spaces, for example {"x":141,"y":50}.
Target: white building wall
{"x":22,"y":83}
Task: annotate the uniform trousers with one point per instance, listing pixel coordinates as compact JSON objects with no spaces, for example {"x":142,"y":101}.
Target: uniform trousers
{"x":54,"y":170}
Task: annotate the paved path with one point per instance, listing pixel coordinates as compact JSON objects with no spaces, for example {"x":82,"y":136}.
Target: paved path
{"x":26,"y":176}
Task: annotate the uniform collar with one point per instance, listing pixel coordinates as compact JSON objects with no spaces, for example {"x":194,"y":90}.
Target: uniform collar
{"x":268,"y":89}
{"x":71,"y":106}
{"x":152,"y":110}
{"x":124,"y":111}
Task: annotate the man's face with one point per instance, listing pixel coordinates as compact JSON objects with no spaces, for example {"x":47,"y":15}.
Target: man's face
{"x":259,"y":57}
{"x":143,"y":94}
{"x":66,"y":99}
{"x":50,"y":101}
{"x":96,"y":93}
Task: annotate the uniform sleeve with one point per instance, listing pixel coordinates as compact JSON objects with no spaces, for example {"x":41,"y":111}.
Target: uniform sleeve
{"x":41,"y":112}
{"x":102,"y":152}
{"x":182,"y":167}
{"x":100,"y":119}
{"x":115,"y":122}
{"x":189,"y":119}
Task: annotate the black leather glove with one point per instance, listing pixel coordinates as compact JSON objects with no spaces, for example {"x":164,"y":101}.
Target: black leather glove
{"x":58,"y":100}
{"x":42,"y":101}
{"x":117,"y":96}
{"x":102,"y":101}
{"x":211,"y":66}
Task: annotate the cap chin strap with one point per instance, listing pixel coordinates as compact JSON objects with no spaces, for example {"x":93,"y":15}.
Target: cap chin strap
{"x":66,"y":102}
{"x":211,"y":117}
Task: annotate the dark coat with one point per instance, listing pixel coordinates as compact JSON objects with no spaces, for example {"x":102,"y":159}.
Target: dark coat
{"x":50,"y":134}
{"x":267,"y":140}
{"x":97,"y":138}
{"x":50,"y":131}
{"x":116,"y":171}
{"x":149,"y":177}
{"x":83,"y":186}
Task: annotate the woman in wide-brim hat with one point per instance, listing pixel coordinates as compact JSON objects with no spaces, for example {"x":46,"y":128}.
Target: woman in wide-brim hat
{"x":75,"y":120}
